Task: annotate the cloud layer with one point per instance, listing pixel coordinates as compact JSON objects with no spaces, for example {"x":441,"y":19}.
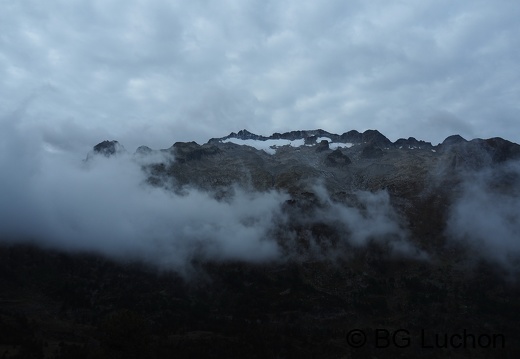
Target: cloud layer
{"x":157,"y":72}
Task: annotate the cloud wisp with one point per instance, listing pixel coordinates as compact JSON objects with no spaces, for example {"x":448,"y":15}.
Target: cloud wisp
{"x":337,"y":229}
{"x":486,"y":215}
{"x":104,"y":205}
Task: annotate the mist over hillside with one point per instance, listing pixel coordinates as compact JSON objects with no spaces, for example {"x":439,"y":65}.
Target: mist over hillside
{"x":257,"y":198}
{"x":338,"y":228}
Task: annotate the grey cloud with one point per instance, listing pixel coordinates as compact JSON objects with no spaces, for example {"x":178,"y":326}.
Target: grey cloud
{"x":132,"y":67}
{"x":103,"y":205}
{"x":486,"y":217}
{"x":448,"y":124}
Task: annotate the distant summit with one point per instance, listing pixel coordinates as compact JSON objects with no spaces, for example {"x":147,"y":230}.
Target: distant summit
{"x":454,"y":139}
{"x":246,"y":135}
{"x":107,"y":149}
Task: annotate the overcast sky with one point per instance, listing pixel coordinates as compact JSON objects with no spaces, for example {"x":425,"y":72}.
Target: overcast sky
{"x":156,"y":72}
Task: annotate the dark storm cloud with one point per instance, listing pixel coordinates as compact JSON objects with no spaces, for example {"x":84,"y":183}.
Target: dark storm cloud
{"x":156,"y":72}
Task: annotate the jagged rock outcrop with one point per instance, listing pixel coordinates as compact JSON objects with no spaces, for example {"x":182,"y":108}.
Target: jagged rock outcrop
{"x":501,"y":150}
{"x":294,"y":135}
{"x":412,"y":143}
{"x":188,"y":151}
{"x":452,"y":140}
{"x":372,"y":151}
{"x":337,"y":158}
{"x":351,"y":137}
{"x":107,"y":149}
{"x":376,"y":139}
{"x":458,"y":154}
{"x":310,"y":140}
{"x":323,"y":146}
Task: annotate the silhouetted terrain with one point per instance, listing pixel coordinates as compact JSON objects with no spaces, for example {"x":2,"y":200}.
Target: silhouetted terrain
{"x":355,"y":233}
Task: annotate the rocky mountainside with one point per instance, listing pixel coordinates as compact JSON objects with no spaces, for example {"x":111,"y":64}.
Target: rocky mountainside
{"x":348,"y":161}
{"x":320,"y":170}
{"x":344,"y":162}
{"x":419,"y":177}
{"x":375,"y":236}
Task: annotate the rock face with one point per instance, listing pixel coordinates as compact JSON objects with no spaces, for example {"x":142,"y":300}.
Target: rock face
{"x":375,"y":138}
{"x":371,"y":152}
{"x":420,"y":178}
{"x":322,"y":146}
{"x":412,"y":143}
{"x":337,"y":158}
{"x":346,"y":162}
{"x":351,"y":137}
{"x":452,"y":140}
{"x":107,"y":149}
{"x":189,"y":151}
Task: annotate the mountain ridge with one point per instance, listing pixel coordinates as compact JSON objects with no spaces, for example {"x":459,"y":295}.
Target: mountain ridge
{"x":310,"y":137}
{"x":370,"y":143}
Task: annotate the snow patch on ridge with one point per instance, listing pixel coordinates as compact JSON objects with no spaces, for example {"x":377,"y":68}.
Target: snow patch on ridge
{"x":268,"y":146}
{"x":334,"y":145}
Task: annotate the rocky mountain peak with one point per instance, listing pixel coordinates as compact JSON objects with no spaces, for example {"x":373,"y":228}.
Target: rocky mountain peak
{"x":143,"y":150}
{"x":375,"y":138}
{"x":245,"y":135}
{"x":107,"y":149}
{"x":412,"y":143}
{"x":453,"y":139}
